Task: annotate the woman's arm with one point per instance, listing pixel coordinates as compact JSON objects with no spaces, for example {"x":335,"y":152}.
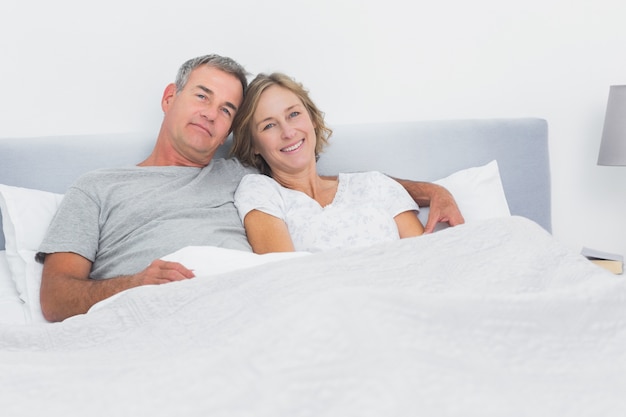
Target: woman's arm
{"x":408,"y":224}
{"x":267,"y":233}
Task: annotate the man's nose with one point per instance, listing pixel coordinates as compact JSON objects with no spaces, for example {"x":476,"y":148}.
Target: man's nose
{"x":209,"y":112}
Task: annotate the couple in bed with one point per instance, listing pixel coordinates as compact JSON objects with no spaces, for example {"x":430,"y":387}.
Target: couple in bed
{"x":114,"y":223}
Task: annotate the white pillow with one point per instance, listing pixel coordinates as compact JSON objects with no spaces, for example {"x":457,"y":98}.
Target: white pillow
{"x":478,"y":192}
{"x":11,"y":307}
{"x":7,"y":286}
{"x":26,"y":214}
{"x":212,"y":260}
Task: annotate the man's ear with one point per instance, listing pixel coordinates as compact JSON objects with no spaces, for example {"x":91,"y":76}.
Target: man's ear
{"x":223,"y":141}
{"x":168,"y":96}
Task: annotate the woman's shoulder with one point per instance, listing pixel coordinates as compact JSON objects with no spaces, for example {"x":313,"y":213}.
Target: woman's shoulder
{"x":257,"y":179}
{"x":363,"y":177}
{"x":369,"y":182}
{"x":257,"y":182}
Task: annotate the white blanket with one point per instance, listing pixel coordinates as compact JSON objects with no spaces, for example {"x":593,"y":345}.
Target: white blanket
{"x":491,"y":319}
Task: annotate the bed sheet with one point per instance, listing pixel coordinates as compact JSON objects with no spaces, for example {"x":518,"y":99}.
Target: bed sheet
{"x":490,"y":319}
{"x":11,"y":307}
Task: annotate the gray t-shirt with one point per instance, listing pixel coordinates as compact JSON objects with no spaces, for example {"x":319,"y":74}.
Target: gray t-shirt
{"x":122,"y":219}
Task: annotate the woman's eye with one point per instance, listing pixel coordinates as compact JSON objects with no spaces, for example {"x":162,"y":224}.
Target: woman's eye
{"x":294,"y":114}
{"x":268,"y":126}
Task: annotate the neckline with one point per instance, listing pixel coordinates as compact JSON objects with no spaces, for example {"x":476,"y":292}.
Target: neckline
{"x":337,"y":197}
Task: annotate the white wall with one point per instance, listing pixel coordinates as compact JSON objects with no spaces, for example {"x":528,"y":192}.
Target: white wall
{"x":70,"y":66}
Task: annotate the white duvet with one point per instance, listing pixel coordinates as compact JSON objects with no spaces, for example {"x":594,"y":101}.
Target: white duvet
{"x":491,"y":319}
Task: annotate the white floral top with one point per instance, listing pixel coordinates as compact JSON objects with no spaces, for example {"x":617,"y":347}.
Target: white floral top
{"x":361,"y":213}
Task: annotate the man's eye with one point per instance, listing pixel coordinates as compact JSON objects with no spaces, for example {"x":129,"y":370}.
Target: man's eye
{"x":226,"y":110}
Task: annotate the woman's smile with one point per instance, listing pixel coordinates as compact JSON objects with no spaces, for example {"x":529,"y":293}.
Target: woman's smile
{"x":293,"y":147}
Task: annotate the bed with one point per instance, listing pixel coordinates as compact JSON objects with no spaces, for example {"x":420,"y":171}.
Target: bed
{"x":495,"y":317}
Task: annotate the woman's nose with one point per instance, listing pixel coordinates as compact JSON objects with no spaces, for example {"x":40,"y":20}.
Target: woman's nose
{"x":288,"y":132}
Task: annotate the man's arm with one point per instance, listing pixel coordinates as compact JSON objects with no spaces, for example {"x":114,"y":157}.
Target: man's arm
{"x":67,"y":290}
{"x":443,"y":208}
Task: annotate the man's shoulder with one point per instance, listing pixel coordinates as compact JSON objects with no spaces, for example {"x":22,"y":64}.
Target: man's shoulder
{"x":105,"y":174}
{"x":232,"y":165}
{"x":230,"y":168}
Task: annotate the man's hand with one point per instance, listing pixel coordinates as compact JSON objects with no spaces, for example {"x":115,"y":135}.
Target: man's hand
{"x":161,"y":272}
{"x":443,"y":208}
{"x":67,"y":290}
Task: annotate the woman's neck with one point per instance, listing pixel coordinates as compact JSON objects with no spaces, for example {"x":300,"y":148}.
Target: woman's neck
{"x":320,"y":189}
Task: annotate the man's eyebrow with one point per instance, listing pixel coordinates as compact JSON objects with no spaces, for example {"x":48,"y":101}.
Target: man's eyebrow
{"x":205,"y":89}
{"x":209,"y":92}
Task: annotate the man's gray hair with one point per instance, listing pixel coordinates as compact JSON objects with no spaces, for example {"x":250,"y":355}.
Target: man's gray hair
{"x":228,"y":65}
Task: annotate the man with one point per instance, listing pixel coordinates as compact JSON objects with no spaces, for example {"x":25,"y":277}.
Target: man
{"x":114,"y":222}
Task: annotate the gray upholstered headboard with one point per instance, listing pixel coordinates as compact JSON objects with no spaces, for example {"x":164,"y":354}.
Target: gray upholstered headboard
{"x":424,"y":150}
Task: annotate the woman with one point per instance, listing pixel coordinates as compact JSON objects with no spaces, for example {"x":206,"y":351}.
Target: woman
{"x":289,"y":206}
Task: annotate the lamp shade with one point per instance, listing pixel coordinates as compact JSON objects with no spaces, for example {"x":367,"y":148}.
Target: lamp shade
{"x":613,"y":145}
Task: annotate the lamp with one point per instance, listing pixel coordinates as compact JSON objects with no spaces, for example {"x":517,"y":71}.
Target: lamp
{"x":613,"y":145}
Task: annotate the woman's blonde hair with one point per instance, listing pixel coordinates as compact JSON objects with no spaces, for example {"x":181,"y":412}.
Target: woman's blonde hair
{"x":243,"y":148}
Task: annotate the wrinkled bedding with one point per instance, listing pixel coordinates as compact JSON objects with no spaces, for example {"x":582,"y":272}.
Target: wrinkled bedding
{"x":495,"y":318}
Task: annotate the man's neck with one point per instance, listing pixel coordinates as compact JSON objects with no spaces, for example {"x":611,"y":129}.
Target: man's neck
{"x":163,"y":154}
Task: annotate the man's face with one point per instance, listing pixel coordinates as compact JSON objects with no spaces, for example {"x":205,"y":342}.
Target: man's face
{"x":198,"y":119}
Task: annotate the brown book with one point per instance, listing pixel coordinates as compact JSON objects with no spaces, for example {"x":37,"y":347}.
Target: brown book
{"x":610,"y":261}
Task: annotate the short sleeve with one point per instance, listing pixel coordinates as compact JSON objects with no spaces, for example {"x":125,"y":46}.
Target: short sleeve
{"x":259,"y":192}
{"x":395,"y":197}
{"x":75,"y":226}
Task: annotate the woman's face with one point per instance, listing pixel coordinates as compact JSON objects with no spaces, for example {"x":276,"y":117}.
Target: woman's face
{"x":283,"y":133}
